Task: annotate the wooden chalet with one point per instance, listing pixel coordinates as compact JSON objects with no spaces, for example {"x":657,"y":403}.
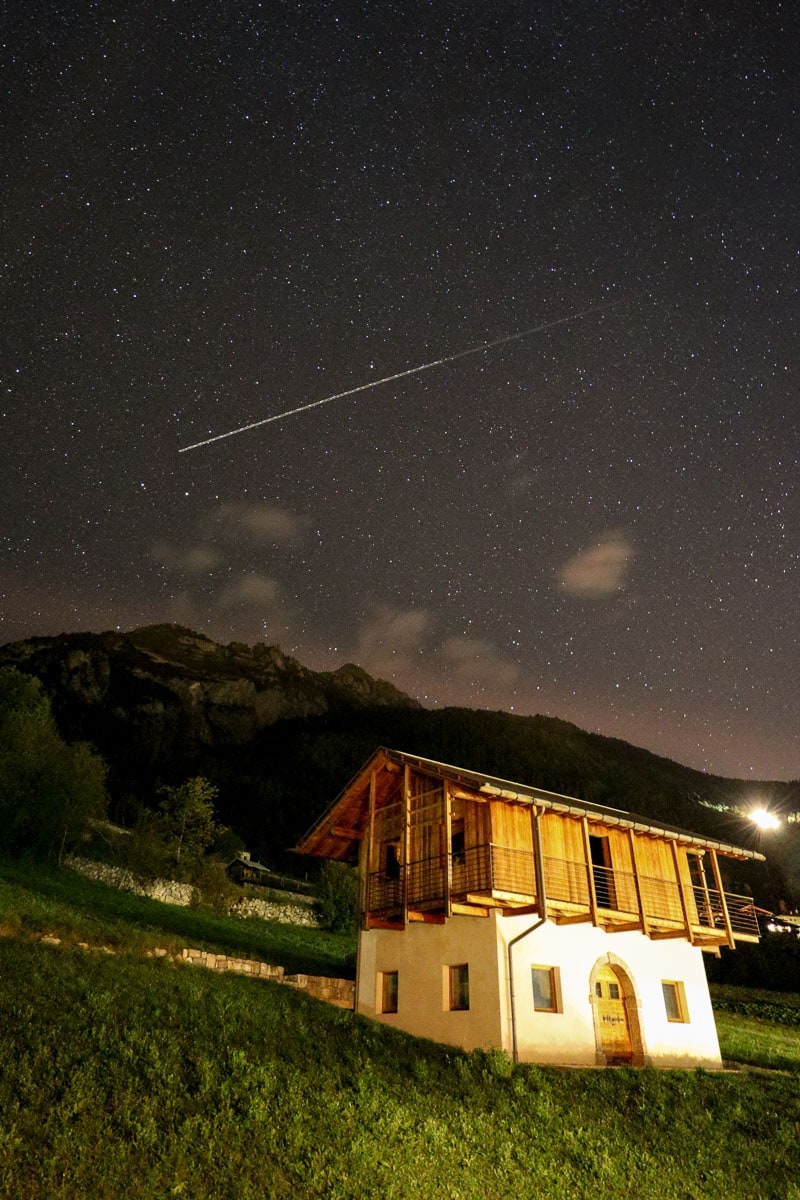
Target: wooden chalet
{"x":454,"y":865}
{"x":244,"y":869}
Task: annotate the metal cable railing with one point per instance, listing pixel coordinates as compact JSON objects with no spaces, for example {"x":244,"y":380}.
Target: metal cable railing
{"x":488,"y":869}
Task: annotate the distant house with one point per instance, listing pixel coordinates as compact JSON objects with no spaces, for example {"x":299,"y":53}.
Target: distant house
{"x":500,"y":915}
{"x":244,"y":869}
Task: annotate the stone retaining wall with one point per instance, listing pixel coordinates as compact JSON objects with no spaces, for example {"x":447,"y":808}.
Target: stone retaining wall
{"x":340,"y":992}
{"x":272,"y":910}
{"x":168,"y":891}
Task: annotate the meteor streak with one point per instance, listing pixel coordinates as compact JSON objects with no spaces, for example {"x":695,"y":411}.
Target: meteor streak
{"x":364,"y":387}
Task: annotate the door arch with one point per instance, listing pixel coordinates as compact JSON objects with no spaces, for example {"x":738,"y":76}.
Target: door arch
{"x":615,"y":1007}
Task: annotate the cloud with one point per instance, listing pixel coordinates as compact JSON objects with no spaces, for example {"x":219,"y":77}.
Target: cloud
{"x":477,"y":664}
{"x":196,"y":560}
{"x":392,"y":639}
{"x":601,"y":570}
{"x":250,"y":590}
{"x":405,"y":646}
{"x":261,"y":522}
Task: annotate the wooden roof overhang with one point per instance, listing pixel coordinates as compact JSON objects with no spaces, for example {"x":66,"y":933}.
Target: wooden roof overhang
{"x":339,"y":830}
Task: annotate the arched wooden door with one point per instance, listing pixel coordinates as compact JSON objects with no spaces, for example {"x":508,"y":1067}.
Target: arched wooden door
{"x":612,"y":1017}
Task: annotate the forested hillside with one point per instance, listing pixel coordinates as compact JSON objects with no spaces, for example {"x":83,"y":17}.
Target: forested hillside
{"x":280,"y":741}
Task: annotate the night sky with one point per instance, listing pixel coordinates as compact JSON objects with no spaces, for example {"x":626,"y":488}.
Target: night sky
{"x":217,"y":212}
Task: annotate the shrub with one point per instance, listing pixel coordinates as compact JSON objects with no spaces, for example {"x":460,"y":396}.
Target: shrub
{"x":336,"y":898}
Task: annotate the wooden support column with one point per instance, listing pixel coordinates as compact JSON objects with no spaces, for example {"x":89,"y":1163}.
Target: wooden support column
{"x":538,"y":861}
{"x":448,"y":845}
{"x":370,"y":842}
{"x":726,"y":916}
{"x":406,"y":836}
{"x":686,"y":910}
{"x":640,"y":896}
{"x":587,"y":853}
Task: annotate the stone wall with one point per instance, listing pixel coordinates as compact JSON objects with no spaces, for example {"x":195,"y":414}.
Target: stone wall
{"x":272,"y":910}
{"x":170,"y":892}
{"x":340,"y":992}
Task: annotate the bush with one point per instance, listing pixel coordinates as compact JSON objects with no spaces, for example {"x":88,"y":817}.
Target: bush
{"x":214,"y":887}
{"x":48,"y":789}
{"x":336,"y":898}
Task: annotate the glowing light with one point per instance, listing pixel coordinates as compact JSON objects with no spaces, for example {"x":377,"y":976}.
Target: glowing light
{"x":764,"y":819}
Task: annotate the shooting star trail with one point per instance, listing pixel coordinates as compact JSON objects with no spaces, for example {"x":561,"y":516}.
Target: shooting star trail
{"x":365,"y":387}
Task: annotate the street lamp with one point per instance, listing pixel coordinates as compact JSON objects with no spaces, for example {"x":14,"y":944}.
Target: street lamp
{"x":763,"y":819}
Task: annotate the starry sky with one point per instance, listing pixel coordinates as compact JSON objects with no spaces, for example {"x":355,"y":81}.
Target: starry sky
{"x":218,"y":212}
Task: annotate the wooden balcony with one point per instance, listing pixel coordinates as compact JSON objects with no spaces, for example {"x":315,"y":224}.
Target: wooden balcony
{"x":502,"y":877}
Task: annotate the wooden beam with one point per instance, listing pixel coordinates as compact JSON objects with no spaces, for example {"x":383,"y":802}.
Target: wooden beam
{"x":726,"y":916}
{"x":460,"y":793}
{"x":587,"y":853}
{"x":381,"y":923}
{"x":349,"y":835}
{"x":682,"y":893}
{"x":426,"y":917}
{"x":577,"y":919}
{"x":469,"y":910}
{"x":522,"y":911}
{"x":448,"y":845}
{"x":485,"y":901}
{"x":373,"y":789}
{"x":636,"y":880}
{"x":626,"y":927}
{"x":660,"y":935}
{"x":406,"y":835}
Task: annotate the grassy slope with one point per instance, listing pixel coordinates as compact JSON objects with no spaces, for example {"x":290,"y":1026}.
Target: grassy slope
{"x":122,"y":1077}
{"x":38,"y":899}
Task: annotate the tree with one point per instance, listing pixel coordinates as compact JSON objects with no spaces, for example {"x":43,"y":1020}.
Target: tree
{"x":48,"y":789}
{"x":174,"y":840}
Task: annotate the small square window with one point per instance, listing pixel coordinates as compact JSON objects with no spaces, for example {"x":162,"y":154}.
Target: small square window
{"x":613,"y":991}
{"x":389,"y":992}
{"x":545,"y":989}
{"x":459,"y":988}
{"x":674,"y":1001}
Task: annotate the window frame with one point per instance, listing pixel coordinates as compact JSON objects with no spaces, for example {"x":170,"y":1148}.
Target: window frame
{"x":555,"y":988}
{"x":458,"y":987}
{"x":388,"y":995}
{"x":679,"y":995}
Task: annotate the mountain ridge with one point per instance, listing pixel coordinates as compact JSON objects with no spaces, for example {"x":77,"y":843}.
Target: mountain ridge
{"x":280,"y":741}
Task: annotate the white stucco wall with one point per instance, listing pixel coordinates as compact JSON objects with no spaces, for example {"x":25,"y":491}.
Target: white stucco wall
{"x":568,"y":1036}
{"x":422,"y":953}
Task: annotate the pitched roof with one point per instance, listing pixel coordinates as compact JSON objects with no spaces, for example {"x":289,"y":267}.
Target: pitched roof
{"x":332,"y":835}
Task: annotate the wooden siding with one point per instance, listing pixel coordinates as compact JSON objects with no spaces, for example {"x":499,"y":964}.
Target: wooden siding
{"x":432,"y":843}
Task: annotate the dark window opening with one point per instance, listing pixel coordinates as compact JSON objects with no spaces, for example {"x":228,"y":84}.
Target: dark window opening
{"x":389,"y":992}
{"x":459,"y":987}
{"x":391,"y":860}
{"x":602,"y":873}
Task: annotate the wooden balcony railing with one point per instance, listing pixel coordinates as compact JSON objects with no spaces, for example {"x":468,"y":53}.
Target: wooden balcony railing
{"x":501,"y":872}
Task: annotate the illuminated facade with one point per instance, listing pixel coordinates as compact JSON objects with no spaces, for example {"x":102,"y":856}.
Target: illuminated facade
{"x":499,"y":915}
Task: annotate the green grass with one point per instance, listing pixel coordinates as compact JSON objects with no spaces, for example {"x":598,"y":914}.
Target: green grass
{"x":758,"y":1027}
{"x":128,"y":1077}
{"x":39,"y":899}
{"x":123,"y":1078}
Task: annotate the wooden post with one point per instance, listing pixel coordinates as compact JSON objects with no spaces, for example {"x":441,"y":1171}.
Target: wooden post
{"x":448,"y":846}
{"x":373,"y":787}
{"x":726,"y":916}
{"x":587,"y":853}
{"x":637,"y":881}
{"x":406,"y":837}
{"x":681,"y":892}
